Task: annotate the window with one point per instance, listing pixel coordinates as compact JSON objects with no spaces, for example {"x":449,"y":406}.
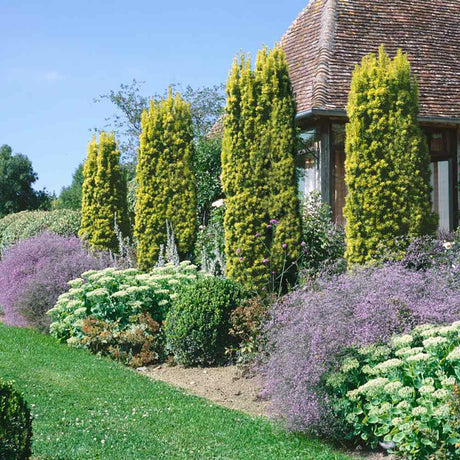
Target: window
{"x":307,"y":164}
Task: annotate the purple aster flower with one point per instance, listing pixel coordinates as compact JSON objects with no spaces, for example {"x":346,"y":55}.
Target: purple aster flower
{"x":274,"y":221}
{"x":257,"y":235}
{"x":284,"y":245}
{"x":265,"y":261}
{"x":238,"y":250}
{"x":303,"y":243}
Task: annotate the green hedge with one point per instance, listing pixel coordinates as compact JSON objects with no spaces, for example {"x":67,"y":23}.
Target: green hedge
{"x":15,"y":424}
{"x":25,"y":224}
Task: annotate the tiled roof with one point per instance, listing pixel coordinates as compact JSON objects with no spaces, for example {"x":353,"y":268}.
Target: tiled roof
{"x":329,"y":37}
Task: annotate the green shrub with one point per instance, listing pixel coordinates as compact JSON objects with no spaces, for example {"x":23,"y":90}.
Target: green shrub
{"x":197,"y":326}
{"x":15,"y":424}
{"x":137,"y":345}
{"x":26,"y":224}
{"x":402,"y":395}
{"x":116,"y":297}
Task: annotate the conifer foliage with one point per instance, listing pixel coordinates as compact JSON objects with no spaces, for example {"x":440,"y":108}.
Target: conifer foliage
{"x":104,"y":204}
{"x":387,"y":162}
{"x":262,"y":222}
{"x":166,"y":187}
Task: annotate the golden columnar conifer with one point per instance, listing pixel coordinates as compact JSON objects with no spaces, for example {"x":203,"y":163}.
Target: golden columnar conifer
{"x":387,"y":159}
{"x":262,"y":221}
{"x":166,"y":187}
{"x":88,"y":201}
{"x":104,"y":203}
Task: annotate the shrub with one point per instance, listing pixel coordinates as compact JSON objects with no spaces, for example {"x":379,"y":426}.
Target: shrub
{"x":258,"y":170}
{"x":309,"y":329}
{"x":387,"y":160}
{"x":402,"y":395}
{"x":118,"y":298}
{"x":26,"y":224}
{"x":323,"y":241}
{"x":35,"y":272}
{"x":197,"y":327}
{"x":246,"y":323}
{"x":137,"y":345}
{"x":15,"y":424}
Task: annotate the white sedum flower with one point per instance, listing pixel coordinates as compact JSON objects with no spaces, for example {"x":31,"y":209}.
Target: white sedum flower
{"x":402,"y":341}
{"x":389,"y":365}
{"x":432,"y":343}
{"x":419,"y":357}
{"x":373,"y":387}
{"x":419,"y":410}
{"x":454,"y":355}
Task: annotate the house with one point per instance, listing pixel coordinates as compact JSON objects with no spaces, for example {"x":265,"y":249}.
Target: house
{"x":324,"y":44}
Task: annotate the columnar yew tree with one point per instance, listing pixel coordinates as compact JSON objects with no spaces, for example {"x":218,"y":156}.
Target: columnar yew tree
{"x":262,"y":222}
{"x":387,"y":163}
{"x":104,"y":202}
{"x":88,"y":200}
{"x":166,"y":187}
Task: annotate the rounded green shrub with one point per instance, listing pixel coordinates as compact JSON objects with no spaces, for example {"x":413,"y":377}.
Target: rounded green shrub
{"x":26,"y":224}
{"x":197,"y":327}
{"x":15,"y":424}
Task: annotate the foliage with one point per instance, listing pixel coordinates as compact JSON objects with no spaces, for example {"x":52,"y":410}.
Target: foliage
{"x":118,"y":297}
{"x":258,"y":177}
{"x":210,"y":243}
{"x":166,"y":189}
{"x":387,"y":160}
{"x":15,"y":424}
{"x":104,"y":204}
{"x":111,"y":412}
{"x":16,"y":179}
{"x":206,"y":106}
{"x":197,"y":327}
{"x":34,"y":272}
{"x":207,"y":169}
{"x":25,"y":224}
{"x":137,"y":345}
{"x":246,"y":327}
{"x":323,"y":241}
{"x":402,"y":395}
{"x":70,"y":197}
{"x":309,"y":329}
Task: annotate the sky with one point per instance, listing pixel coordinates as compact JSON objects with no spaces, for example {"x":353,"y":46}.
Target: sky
{"x":58,"y":55}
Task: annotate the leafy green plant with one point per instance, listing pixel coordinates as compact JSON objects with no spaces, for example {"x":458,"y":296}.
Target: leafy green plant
{"x":137,"y":345}
{"x":15,"y":424}
{"x":402,"y":395}
{"x":118,"y":297}
{"x":198,"y":324}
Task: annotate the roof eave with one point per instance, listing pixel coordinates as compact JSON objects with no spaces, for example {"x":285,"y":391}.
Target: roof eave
{"x":311,"y":113}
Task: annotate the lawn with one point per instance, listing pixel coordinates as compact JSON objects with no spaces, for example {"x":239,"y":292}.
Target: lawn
{"x":92,"y":408}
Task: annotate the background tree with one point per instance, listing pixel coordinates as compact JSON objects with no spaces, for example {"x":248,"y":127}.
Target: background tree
{"x":70,"y":197}
{"x":387,"y":160}
{"x":166,"y":189}
{"x":258,"y":170}
{"x":110,"y":196}
{"x":16,"y":179}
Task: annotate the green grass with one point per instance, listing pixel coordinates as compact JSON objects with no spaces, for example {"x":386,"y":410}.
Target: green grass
{"x":92,"y":408}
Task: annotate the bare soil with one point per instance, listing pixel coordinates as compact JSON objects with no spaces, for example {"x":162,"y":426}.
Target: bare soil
{"x":223,"y":385}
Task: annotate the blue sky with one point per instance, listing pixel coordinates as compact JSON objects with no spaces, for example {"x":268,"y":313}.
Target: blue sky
{"x":57,"y":56}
